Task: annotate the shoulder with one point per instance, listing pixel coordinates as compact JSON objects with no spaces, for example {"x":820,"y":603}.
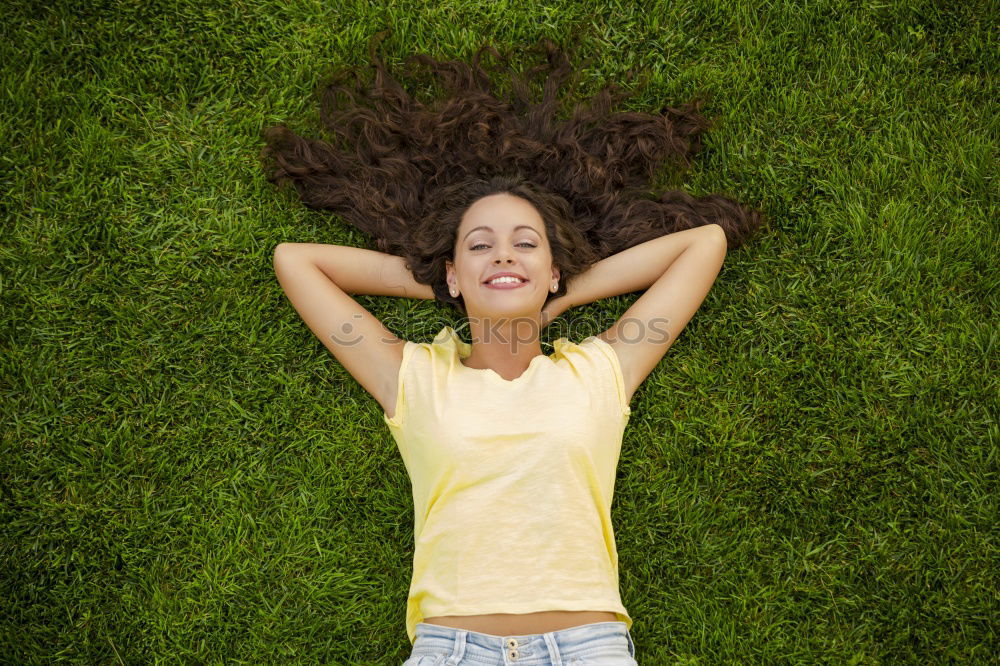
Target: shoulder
{"x":593,"y":354}
{"x":416,"y":360}
{"x":605,"y":360}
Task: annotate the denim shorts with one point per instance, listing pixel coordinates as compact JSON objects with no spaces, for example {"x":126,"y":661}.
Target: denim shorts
{"x":597,"y":644}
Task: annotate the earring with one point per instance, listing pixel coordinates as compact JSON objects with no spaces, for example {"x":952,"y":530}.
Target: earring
{"x":555,"y":285}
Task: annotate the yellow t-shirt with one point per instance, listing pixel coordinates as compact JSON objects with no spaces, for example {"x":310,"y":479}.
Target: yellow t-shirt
{"x":512,"y":480}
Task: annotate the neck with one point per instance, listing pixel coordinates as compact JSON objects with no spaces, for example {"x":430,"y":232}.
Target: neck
{"x":504,"y":345}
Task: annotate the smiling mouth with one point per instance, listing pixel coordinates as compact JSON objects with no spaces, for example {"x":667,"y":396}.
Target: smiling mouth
{"x":505,"y":284}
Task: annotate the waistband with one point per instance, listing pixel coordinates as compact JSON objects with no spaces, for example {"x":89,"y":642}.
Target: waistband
{"x":529,"y":648}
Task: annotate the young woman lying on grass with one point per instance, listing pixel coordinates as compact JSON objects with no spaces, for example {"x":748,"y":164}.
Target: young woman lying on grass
{"x":489,"y":203}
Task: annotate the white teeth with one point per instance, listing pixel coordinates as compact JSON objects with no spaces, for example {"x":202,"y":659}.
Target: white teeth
{"x":505,"y":280}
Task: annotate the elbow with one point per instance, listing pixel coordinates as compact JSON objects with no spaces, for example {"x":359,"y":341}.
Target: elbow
{"x":718,"y":234}
{"x":281,"y":250}
{"x":281,"y":258}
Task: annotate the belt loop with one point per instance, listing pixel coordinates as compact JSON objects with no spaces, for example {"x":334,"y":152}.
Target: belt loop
{"x":456,"y":655}
{"x":550,"y":641}
{"x":631,"y":644}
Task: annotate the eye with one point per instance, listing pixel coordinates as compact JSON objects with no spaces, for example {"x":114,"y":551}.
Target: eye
{"x":529,"y":244}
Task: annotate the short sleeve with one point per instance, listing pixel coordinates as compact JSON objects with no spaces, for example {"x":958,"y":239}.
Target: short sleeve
{"x":397,"y":419}
{"x":610,"y":356}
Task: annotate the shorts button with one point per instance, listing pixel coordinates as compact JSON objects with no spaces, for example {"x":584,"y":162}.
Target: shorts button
{"x":512,"y":654}
{"x":512,"y":642}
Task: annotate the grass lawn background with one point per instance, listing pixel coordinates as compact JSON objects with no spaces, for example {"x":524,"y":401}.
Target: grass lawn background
{"x":809,"y":476}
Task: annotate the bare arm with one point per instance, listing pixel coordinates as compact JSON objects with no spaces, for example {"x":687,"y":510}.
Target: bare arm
{"x":630,"y":270}
{"x":317,"y":278}
{"x":360,"y":271}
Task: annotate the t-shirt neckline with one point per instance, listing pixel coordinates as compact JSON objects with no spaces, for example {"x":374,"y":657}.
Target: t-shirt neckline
{"x":462,"y":349}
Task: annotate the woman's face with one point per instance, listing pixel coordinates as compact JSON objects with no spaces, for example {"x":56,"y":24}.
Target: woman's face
{"x":515,"y":242}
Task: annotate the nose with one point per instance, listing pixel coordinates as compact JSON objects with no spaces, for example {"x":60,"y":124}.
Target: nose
{"x":504,"y":255}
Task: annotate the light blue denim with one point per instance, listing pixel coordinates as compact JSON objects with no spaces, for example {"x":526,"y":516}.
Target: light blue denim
{"x":597,"y":644}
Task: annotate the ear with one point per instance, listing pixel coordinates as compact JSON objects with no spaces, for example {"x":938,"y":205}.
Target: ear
{"x":555,"y":272}
{"x":449,"y":269}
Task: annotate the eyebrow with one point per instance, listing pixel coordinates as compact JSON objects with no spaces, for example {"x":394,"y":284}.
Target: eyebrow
{"x":520,"y":226}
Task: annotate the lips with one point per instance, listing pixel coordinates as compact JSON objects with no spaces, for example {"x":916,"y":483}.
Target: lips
{"x":505,"y":274}
{"x":506,"y":285}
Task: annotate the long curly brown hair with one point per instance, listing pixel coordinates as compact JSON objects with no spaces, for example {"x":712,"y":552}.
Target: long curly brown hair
{"x":404,"y":172}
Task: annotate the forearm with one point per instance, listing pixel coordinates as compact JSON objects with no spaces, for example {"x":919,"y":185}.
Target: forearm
{"x":634,"y":269}
{"x":360,"y":271}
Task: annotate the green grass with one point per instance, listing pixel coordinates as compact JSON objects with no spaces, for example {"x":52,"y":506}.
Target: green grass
{"x":809,"y":476}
